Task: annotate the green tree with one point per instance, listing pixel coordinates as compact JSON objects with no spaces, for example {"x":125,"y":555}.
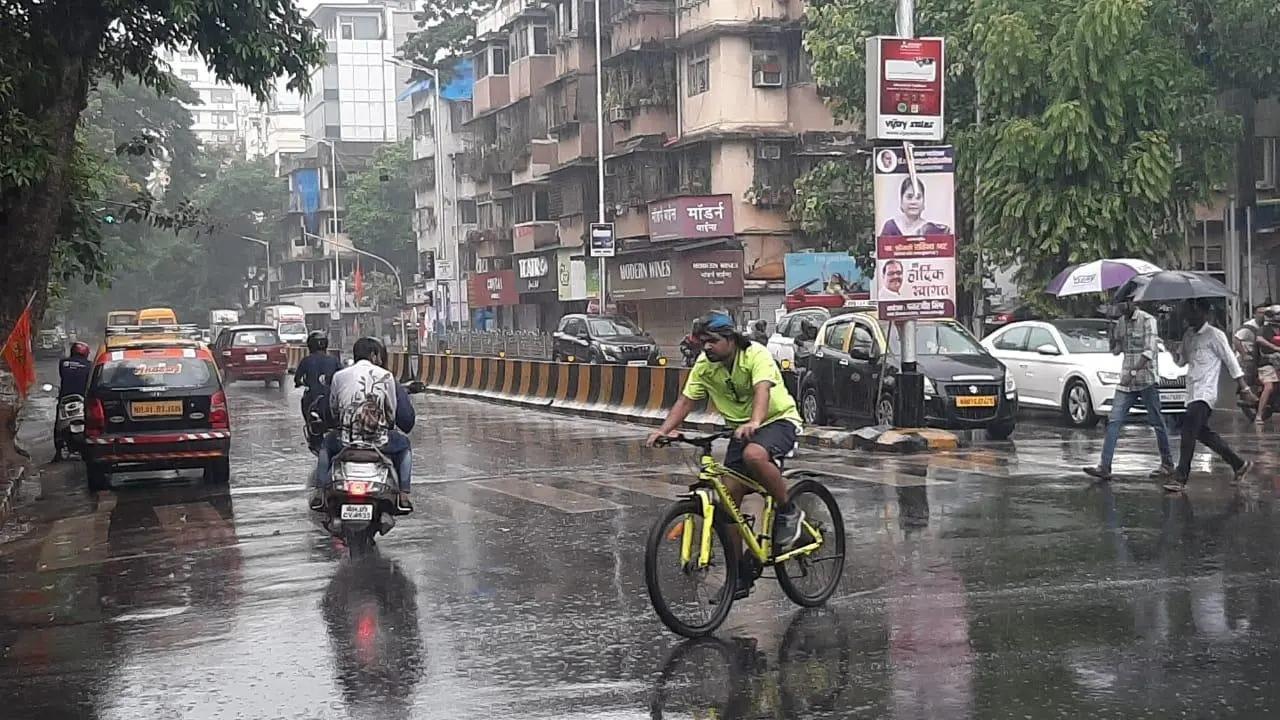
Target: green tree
{"x":833,"y":206}
{"x":380,"y":206}
{"x":54,"y":51}
{"x":448,"y":29}
{"x":1098,"y":133}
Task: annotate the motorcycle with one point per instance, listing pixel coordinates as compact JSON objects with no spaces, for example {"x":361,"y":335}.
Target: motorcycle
{"x":1250,"y":410}
{"x":68,"y":428}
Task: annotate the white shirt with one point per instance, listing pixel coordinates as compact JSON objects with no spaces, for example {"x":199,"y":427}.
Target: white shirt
{"x":349,"y":390}
{"x":1205,"y":352}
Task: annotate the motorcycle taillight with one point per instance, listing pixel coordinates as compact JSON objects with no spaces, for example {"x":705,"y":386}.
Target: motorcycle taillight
{"x":95,"y":418}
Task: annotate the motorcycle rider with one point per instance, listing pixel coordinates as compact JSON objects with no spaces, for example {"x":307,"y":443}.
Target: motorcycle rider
{"x":368,"y":406}
{"x":316,"y":372}
{"x":1266,"y":358}
{"x":74,"y":371}
{"x":758,"y":333}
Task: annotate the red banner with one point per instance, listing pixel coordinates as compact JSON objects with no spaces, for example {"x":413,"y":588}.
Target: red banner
{"x":17,"y":353}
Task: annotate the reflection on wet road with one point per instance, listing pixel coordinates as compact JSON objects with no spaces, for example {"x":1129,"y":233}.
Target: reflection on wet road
{"x":989,"y":582}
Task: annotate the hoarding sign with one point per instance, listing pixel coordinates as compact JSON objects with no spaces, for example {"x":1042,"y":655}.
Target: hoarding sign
{"x":691,"y":218}
{"x":916,"y":277}
{"x":905,"y":88}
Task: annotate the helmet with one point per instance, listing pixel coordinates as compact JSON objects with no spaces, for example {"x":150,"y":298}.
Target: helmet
{"x":317,"y":341}
{"x":1272,"y":311}
{"x":79,"y":349}
{"x":371,"y":349}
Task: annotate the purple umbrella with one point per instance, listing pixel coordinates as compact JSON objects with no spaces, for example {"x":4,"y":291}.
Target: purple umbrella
{"x":1098,"y":276}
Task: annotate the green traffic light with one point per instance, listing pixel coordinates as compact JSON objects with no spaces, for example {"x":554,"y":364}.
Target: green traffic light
{"x":109,"y":219}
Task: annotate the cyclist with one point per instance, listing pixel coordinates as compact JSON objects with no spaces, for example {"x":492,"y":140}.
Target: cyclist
{"x":745,"y":386}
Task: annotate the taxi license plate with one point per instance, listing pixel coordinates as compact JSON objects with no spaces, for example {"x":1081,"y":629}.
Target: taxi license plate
{"x":637,"y":362}
{"x":357,"y":512}
{"x":976,"y":401}
{"x":256,"y":358}
{"x":1173,"y":397}
{"x":156,"y":408}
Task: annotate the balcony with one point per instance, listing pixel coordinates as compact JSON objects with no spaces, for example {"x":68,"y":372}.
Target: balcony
{"x":642,"y":121}
{"x":641,"y":28}
{"x":575,"y":57}
{"x":578,"y":146}
{"x":490,"y":93}
{"x":530,"y":74}
{"x":531,"y":236}
{"x":541,"y":158}
{"x":698,"y":16}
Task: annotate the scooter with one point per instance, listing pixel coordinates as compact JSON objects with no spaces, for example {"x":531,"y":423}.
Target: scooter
{"x":68,"y":428}
{"x":360,"y":501}
{"x":690,"y":350}
{"x":1250,"y":410}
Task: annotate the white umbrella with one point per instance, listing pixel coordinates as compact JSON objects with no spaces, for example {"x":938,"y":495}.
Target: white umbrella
{"x":1098,"y":276}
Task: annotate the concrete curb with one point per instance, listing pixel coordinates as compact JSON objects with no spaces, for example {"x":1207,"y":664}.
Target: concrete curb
{"x":9,"y":491}
{"x":882,"y":438}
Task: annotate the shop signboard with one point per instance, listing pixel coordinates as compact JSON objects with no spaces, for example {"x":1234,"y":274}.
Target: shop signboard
{"x":705,"y":274}
{"x":536,"y":273}
{"x":691,"y":217}
{"x":492,"y":289}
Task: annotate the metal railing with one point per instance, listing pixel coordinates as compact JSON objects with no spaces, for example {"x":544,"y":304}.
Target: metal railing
{"x":527,"y":344}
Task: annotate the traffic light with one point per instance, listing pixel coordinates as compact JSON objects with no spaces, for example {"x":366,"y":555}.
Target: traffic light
{"x":109,"y":219}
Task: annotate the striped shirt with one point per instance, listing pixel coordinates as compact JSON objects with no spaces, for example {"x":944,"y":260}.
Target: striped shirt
{"x":1138,"y":340}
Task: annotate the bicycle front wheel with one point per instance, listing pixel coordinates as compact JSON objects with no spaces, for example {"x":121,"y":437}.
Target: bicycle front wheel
{"x":810,"y":580}
{"x":692,"y":599}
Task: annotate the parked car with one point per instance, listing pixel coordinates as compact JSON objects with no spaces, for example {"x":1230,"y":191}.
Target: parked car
{"x":1007,"y":313}
{"x":1067,"y":365}
{"x":790,"y":328}
{"x":603,"y":339}
{"x":156,"y":403}
{"x":50,"y":344}
{"x":252,"y":352}
{"x":852,"y":376}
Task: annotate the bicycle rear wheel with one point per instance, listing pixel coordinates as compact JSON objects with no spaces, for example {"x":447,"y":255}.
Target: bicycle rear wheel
{"x":690,"y":600}
{"x":810,"y":580}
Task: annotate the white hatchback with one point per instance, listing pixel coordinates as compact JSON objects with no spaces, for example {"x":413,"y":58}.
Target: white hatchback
{"x":1067,"y":365}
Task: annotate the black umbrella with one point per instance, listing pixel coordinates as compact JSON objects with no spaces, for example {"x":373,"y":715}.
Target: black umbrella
{"x":1171,"y":285}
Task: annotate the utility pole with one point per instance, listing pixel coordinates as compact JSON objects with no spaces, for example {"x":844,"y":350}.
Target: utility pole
{"x":910,"y":411}
{"x":600,"y":147}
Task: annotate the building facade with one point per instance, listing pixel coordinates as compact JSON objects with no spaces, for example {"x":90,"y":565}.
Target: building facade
{"x":221,"y":118}
{"x":709,"y":116}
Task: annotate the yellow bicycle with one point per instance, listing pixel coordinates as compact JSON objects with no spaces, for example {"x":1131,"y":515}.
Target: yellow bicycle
{"x":690,"y":546}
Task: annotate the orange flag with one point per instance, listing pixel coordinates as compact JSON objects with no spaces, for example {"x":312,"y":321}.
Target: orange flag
{"x":359,"y":281}
{"x":17,"y":353}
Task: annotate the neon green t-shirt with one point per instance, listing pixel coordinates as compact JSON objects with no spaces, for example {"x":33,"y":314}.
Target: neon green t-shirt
{"x":733,"y":392}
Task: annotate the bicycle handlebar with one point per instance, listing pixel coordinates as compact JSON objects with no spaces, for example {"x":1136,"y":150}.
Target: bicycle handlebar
{"x":703,"y":442}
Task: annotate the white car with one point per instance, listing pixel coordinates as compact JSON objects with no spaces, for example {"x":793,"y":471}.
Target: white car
{"x":1068,"y":365}
{"x":782,"y":343}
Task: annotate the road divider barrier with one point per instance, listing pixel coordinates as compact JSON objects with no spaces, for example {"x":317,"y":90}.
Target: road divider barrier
{"x":637,"y":393}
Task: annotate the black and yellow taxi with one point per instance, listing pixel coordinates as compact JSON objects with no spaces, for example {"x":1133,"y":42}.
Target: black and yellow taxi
{"x":155,"y":402}
{"x":851,"y":376}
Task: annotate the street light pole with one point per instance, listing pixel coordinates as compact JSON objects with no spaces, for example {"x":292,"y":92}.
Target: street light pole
{"x":394,"y":270}
{"x":600,"y":145}
{"x":441,"y":243}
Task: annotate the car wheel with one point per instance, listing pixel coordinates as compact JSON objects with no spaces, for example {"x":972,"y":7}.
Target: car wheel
{"x":811,"y":407}
{"x":884,"y":409}
{"x":218,"y":472}
{"x":1077,"y":405}
{"x":555,"y":356}
{"x":1001,"y":431}
{"x":97,"y":476}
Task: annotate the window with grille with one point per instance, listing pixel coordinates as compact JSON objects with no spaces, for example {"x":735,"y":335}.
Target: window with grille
{"x":699,"y":71}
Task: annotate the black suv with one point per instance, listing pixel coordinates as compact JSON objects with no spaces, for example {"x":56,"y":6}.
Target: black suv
{"x":852,"y":376}
{"x":603,"y":339}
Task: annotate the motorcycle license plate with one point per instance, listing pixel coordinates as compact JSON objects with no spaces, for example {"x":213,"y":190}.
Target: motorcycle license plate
{"x":77,"y":427}
{"x":357,"y":512}
{"x":1173,"y":397}
{"x":637,"y":362}
{"x":256,"y":358}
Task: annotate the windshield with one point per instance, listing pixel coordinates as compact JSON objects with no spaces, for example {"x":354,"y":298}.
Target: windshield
{"x":613,"y":327}
{"x":150,"y":373}
{"x":293,"y":327}
{"x":255,"y":338}
{"x":1092,"y":336}
{"x":937,"y":338}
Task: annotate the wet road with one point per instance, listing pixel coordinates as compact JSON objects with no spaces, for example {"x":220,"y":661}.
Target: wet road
{"x":993,"y":582}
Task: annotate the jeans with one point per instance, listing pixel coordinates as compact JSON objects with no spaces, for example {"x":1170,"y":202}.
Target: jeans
{"x":1120,"y":406}
{"x":1195,"y":426}
{"x":402,"y":458}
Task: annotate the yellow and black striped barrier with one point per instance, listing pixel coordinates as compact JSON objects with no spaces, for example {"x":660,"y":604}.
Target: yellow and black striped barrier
{"x":642,"y":393}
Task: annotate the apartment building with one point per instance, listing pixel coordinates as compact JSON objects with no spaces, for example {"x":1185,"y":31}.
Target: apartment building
{"x":440,"y":231}
{"x":710,"y":115}
{"x":355,"y":106}
{"x":221,"y":116}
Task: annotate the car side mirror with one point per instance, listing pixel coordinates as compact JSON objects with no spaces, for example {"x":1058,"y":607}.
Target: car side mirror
{"x":415,"y":387}
{"x":1048,"y":349}
{"x":860,"y":354}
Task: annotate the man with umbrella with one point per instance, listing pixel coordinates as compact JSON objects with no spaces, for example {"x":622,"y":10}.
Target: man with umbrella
{"x":1136,"y":337}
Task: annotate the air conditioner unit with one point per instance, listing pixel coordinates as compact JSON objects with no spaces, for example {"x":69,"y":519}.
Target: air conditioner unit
{"x":769,"y":151}
{"x":766,"y":78}
{"x":308,"y":282}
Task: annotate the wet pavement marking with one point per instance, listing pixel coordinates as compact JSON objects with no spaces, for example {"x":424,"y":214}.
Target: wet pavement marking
{"x":267,"y":489}
{"x":78,"y":540}
{"x":641,"y":485}
{"x":891,"y":477}
{"x":560,"y":499}
{"x":445,"y":507}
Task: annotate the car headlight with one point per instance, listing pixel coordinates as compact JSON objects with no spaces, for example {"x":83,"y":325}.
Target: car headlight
{"x":1010,"y":387}
{"x":929,"y":390}
{"x":1108,"y":378}
{"x":608,"y":351}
